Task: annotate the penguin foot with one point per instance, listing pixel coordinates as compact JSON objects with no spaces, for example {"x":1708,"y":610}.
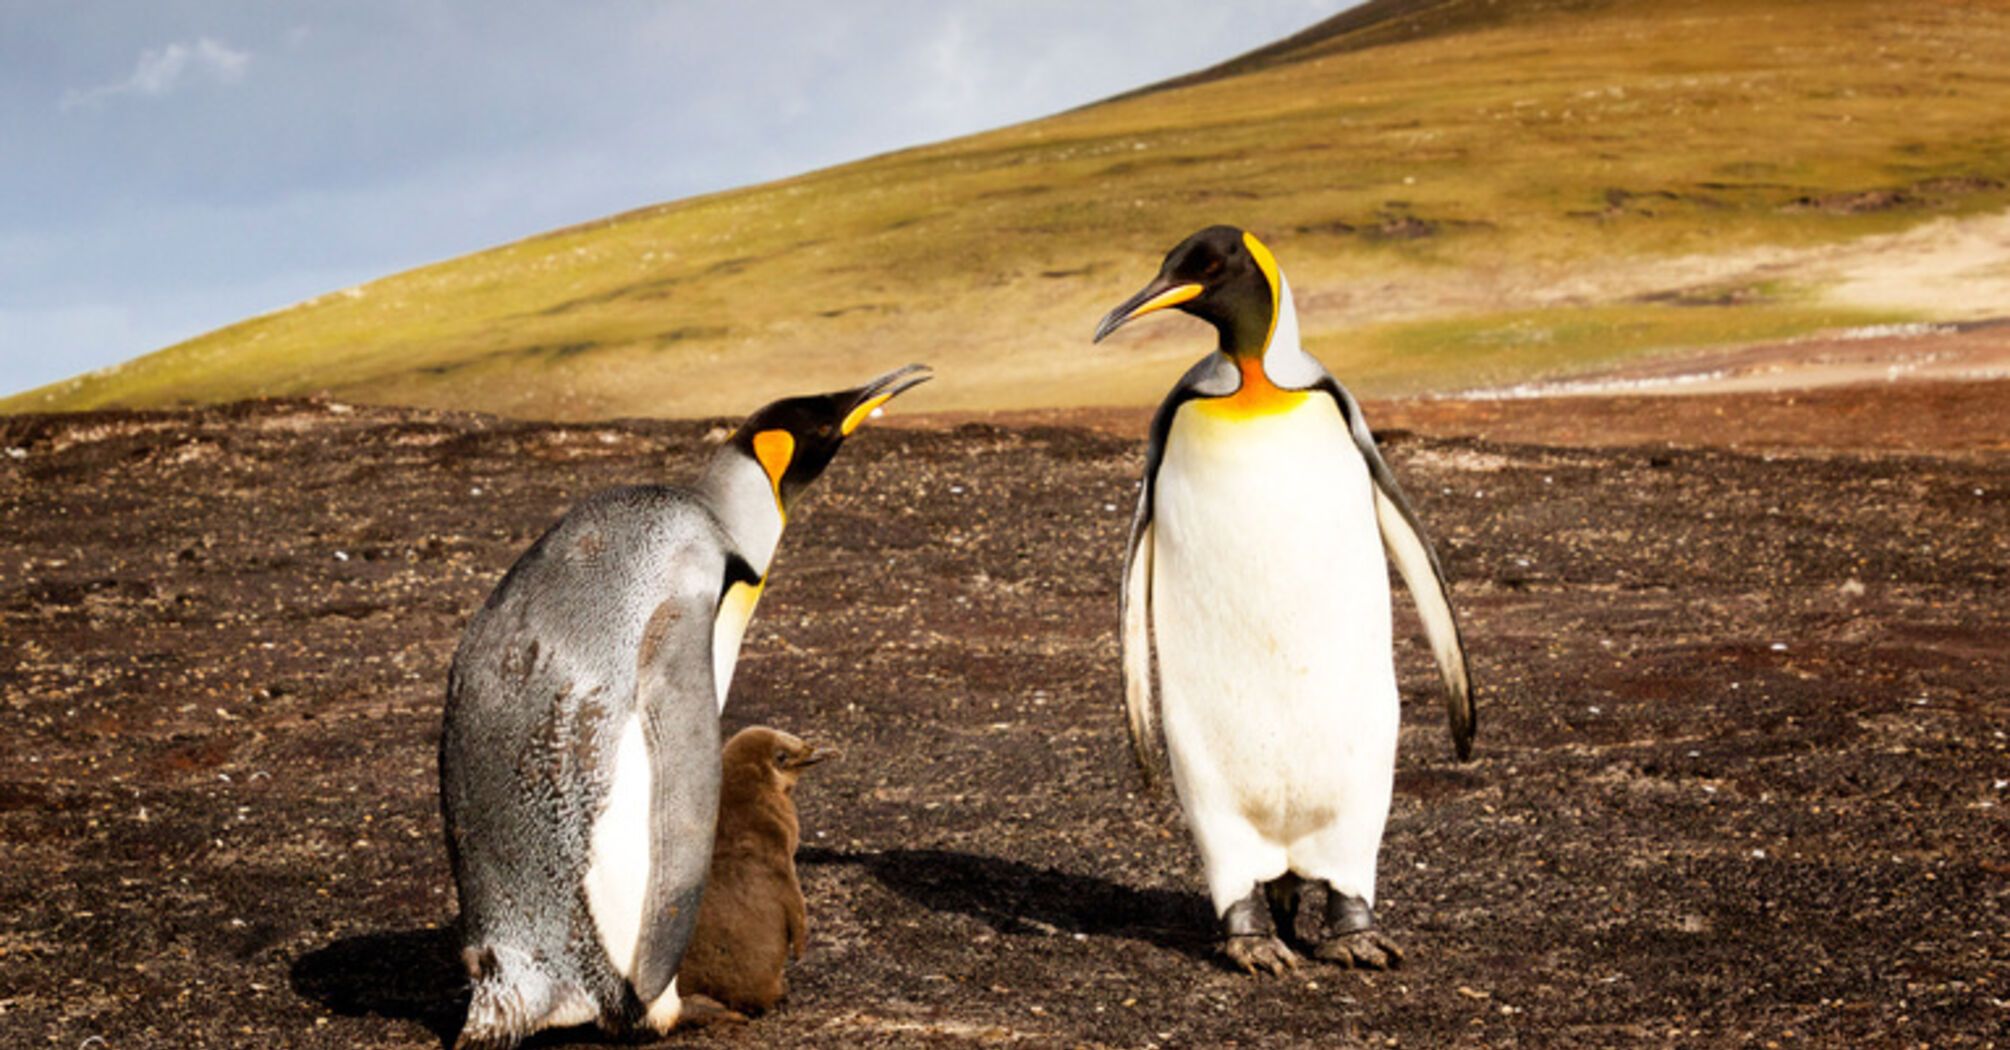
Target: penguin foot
{"x":1350,"y":937}
{"x":1259,"y":952}
{"x":703,"y":1011}
{"x":1362,"y":949}
{"x":1250,"y":936}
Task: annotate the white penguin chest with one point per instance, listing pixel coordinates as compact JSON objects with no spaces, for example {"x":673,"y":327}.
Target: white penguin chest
{"x":1270,"y":603}
{"x":1267,"y":518}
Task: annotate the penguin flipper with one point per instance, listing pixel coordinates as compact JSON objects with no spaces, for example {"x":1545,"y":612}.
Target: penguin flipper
{"x":681,"y":724}
{"x":1140,"y":710}
{"x":1411,"y":551}
{"x":1410,"y":548}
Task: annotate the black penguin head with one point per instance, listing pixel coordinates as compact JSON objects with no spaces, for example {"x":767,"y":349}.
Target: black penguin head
{"x":1221,"y":275}
{"x":794,"y":439}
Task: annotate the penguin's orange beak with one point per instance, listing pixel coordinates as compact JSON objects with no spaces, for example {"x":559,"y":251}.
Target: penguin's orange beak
{"x":867,"y":399}
{"x":1158,"y":295}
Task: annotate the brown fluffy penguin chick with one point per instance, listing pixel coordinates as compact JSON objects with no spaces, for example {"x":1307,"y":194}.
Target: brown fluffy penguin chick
{"x":751,"y":920}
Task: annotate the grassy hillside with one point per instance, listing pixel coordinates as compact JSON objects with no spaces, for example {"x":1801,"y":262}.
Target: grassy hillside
{"x":1462,"y":191}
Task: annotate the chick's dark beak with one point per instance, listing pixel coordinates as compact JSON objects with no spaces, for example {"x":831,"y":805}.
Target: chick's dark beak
{"x":868,"y":398}
{"x":811,"y":757}
{"x":1157,"y":295}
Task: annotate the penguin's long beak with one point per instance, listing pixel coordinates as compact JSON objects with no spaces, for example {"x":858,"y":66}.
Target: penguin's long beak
{"x":867,"y":399}
{"x":815,"y":755}
{"x":1157,"y":295}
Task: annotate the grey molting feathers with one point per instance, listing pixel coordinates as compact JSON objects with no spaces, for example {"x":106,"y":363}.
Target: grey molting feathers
{"x":579,"y":757}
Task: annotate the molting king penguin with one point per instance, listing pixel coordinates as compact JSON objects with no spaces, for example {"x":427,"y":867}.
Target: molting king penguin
{"x":579,"y":763}
{"x":1256,"y":575}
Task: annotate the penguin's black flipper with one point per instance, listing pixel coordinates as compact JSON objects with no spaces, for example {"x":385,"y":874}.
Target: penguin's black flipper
{"x":676,"y":696}
{"x":1140,"y":707}
{"x":1140,"y":710}
{"x":1410,"y":548}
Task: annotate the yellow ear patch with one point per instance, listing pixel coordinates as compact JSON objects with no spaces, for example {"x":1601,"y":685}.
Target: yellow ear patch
{"x":1268,"y":264}
{"x":775,"y":448}
{"x":858,"y":415}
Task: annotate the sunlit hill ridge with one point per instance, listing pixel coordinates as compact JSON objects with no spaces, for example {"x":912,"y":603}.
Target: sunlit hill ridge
{"x":1463,"y":193}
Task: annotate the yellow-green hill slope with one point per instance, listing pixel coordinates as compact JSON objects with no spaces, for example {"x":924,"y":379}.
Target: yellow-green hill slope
{"x":1462,"y":191}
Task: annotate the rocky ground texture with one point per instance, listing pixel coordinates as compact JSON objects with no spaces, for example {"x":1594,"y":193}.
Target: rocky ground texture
{"x":1741,"y":775}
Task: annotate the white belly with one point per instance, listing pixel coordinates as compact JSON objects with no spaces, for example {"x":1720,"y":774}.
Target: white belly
{"x":617,"y":877}
{"x":1270,"y":613}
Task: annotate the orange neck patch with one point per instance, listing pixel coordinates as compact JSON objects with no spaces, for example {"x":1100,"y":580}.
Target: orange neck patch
{"x":1257,"y":396}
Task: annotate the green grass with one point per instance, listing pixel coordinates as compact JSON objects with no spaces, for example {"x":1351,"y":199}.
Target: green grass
{"x":1426,"y":175}
{"x":1495,"y":349}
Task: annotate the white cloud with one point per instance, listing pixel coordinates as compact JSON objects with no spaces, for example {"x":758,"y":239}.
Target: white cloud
{"x":161,"y":70}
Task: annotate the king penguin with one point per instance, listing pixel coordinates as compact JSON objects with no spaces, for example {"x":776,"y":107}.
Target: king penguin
{"x":1256,"y":574}
{"x":579,"y":761}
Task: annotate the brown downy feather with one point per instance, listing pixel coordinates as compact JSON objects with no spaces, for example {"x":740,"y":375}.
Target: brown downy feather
{"x":752,"y":920}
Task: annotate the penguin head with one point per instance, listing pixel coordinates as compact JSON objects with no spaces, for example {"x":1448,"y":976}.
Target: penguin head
{"x":759,"y":755}
{"x":795,"y":438}
{"x":1223,"y":276}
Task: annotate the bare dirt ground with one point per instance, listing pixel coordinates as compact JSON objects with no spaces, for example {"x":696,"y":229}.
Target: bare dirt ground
{"x":1741,"y":775}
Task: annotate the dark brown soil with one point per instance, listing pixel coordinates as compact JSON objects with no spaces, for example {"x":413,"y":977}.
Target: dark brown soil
{"x":1741,"y":775}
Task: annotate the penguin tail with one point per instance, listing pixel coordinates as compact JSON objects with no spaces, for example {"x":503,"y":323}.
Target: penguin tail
{"x":509,"y":999}
{"x":495,"y":1019}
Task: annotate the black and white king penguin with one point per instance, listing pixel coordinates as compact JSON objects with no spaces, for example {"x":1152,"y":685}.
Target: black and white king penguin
{"x":1256,"y":574}
{"x":579,"y":764}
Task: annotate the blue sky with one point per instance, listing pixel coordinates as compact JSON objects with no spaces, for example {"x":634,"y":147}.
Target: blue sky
{"x":171,"y":166}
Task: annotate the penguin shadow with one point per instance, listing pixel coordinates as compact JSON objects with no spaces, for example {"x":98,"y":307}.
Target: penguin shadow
{"x":410,"y":975}
{"x":1020,"y":900}
{"x":405,"y":975}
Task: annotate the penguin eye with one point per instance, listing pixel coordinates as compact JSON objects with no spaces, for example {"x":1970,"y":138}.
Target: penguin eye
{"x":1212,"y":269}
{"x":782,"y":759}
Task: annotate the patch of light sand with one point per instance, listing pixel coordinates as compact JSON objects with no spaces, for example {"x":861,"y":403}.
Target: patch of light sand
{"x":1948,"y":269}
{"x":1952,"y":269}
{"x":1876,"y":354}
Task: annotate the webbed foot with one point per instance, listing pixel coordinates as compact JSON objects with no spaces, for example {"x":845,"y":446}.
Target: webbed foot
{"x":1363,"y":949}
{"x":1351,"y":939}
{"x":1260,"y":953}
{"x":1250,"y":937}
